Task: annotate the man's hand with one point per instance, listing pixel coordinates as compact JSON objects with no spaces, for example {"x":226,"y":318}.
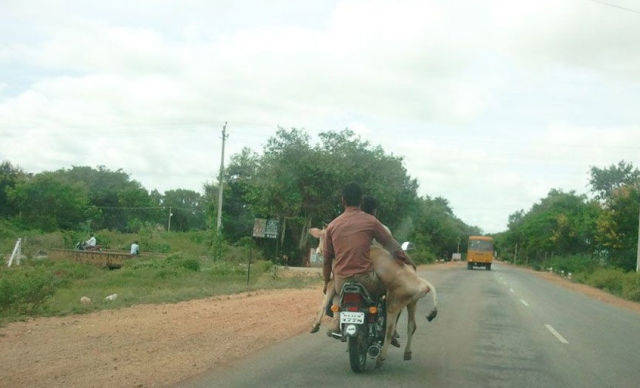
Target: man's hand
{"x":406,"y":262}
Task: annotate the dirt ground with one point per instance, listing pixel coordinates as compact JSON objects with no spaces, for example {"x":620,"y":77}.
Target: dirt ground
{"x":153,"y":344}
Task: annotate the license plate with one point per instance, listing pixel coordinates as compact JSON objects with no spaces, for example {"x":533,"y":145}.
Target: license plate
{"x":351,"y":317}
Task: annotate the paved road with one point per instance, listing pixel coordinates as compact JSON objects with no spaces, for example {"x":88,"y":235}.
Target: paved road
{"x":504,"y":327}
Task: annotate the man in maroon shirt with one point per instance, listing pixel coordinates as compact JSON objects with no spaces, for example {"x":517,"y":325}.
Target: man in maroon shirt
{"x":347,"y":243}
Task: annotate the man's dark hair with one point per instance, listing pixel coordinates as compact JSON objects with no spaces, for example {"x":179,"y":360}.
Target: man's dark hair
{"x":369,"y":204}
{"x":352,"y":194}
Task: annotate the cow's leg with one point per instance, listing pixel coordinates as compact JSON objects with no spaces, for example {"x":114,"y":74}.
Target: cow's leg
{"x":411,"y":328}
{"x":328,"y":298}
{"x":392,"y":314}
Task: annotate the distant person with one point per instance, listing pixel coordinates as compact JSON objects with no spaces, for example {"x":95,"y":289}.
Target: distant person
{"x":135,"y":248}
{"x":92,"y":242}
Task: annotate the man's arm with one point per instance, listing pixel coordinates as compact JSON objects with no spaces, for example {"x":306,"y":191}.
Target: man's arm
{"x":382,"y":234}
{"x":329,"y":255}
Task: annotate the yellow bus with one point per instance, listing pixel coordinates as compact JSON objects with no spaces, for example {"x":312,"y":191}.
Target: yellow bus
{"x":480,"y":252}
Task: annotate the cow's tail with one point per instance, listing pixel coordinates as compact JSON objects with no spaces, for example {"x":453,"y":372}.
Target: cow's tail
{"x":434,"y":295}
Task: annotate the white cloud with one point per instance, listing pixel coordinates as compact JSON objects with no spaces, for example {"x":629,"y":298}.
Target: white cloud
{"x":471,"y":93}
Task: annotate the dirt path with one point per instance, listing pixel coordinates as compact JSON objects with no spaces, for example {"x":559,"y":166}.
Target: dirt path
{"x":150,"y":344}
{"x":153,"y":344}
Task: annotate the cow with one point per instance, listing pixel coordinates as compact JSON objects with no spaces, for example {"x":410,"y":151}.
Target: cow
{"x":404,"y":289}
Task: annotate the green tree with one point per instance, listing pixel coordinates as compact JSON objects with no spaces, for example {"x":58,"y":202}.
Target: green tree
{"x":48,"y":203}
{"x":9,"y":176}
{"x":122,"y":202}
{"x":604,"y":181}
{"x":188,"y":209}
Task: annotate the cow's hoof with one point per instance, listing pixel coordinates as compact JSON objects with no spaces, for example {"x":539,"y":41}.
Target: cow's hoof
{"x":407,"y":356}
{"x":379,"y":362}
{"x":315,"y":328}
{"x":395,"y":342}
{"x":432,"y":315}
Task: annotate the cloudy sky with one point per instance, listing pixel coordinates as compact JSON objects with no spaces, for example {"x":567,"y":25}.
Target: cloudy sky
{"x":491,"y":103}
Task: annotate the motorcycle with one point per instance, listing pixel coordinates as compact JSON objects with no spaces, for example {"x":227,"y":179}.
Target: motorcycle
{"x":363,"y":324}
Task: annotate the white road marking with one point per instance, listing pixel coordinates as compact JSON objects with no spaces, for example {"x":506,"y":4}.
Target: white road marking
{"x":524,"y":302}
{"x":556,"y":334}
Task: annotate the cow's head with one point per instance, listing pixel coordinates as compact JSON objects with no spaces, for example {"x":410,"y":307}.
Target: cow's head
{"x":319,"y":234}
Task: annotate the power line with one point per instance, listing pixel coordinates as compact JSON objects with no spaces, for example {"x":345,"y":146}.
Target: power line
{"x":615,"y":6}
{"x":143,"y":208}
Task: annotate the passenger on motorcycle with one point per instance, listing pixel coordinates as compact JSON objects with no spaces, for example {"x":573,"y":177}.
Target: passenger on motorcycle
{"x":347,"y":243}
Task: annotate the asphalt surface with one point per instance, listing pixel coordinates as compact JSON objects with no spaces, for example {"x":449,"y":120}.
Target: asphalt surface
{"x":499,"y":328}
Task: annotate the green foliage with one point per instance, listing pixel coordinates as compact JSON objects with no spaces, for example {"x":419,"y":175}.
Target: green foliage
{"x":437,"y":231}
{"x":609,"y":279}
{"x":574,"y":264}
{"x":560,"y":224}
{"x":24,"y":290}
{"x":605,"y":181}
{"x":292,"y":179}
{"x":631,"y":286}
{"x":55,"y":288}
{"x":48,"y":203}
{"x":188,"y":209}
{"x":9,"y":176}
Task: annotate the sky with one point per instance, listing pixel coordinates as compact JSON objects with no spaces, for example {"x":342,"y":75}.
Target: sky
{"x":490,"y":103}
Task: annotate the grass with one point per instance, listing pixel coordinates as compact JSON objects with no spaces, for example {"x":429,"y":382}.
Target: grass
{"x":49,"y":288}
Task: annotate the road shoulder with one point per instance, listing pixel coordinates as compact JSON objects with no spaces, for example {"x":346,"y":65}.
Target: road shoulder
{"x":592,"y":292}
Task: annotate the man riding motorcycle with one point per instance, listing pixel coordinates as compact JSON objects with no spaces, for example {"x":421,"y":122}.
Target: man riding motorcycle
{"x":346,"y":248}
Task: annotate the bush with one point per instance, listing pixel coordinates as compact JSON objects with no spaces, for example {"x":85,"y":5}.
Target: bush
{"x":609,"y":279}
{"x":224,"y":268}
{"x":631,"y":286}
{"x":24,"y":289}
{"x":573,"y":264}
{"x":190,"y":264}
{"x":422,"y":255}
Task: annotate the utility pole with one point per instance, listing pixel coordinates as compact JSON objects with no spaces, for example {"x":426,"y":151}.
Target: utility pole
{"x":638,"y":248}
{"x":515,"y":256}
{"x":221,"y":180}
{"x":169,"y":222}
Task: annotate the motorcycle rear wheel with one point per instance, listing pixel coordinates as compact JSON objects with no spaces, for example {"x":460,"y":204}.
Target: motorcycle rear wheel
{"x":357,"y":353}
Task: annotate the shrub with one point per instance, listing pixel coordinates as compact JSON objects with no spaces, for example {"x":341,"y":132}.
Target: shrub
{"x":24,"y":289}
{"x":224,"y":268}
{"x":573,"y":264}
{"x":609,"y":279}
{"x":422,"y":255}
{"x":631,"y":286}
{"x":190,"y":264}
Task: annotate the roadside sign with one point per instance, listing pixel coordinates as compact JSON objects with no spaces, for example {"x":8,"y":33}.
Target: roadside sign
{"x":271,"y":231}
{"x":259,"y":225}
{"x":264,"y":228}
{"x":456,"y":256}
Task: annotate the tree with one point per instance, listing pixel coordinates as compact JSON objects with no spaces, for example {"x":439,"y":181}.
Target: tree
{"x":188,"y":208}
{"x":48,"y":203}
{"x":237,"y":214}
{"x":604,"y":181}
{"x":9,"y":176}
{"x":122,"y":202}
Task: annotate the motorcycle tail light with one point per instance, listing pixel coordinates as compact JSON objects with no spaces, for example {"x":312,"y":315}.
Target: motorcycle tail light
{"x":351,"y":298}
{"x":373,"y":310}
